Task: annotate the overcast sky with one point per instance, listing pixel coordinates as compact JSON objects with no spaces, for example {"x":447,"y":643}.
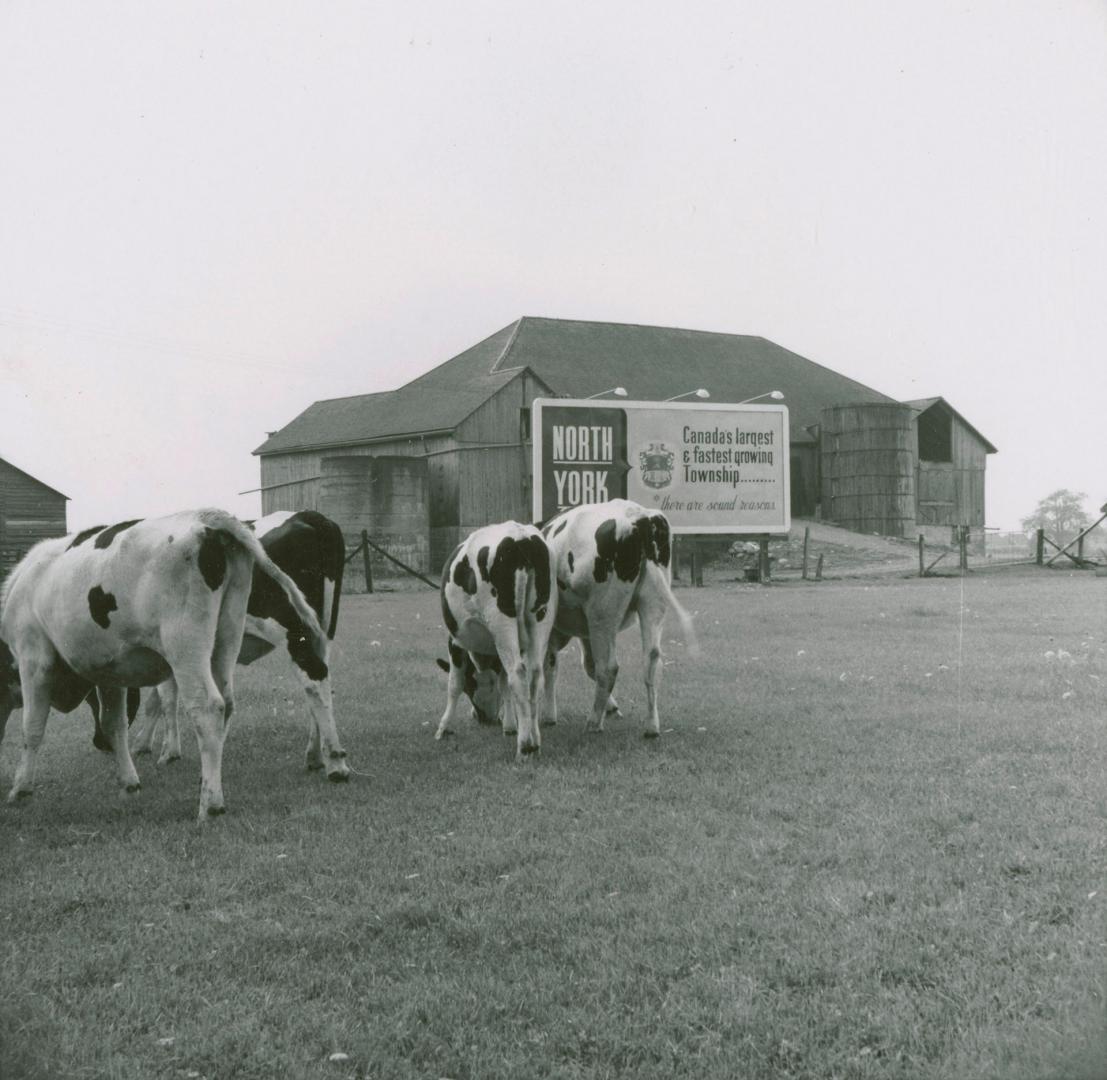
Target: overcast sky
{"x":212,"y":215}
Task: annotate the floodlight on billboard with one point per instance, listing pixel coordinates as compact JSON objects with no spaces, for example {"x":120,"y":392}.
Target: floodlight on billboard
{"x":712,"y":468}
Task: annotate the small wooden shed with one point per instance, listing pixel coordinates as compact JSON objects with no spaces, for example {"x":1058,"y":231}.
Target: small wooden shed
{"x":30,"y":511}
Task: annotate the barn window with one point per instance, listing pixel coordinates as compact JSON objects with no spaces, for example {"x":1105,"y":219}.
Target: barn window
{"x":935,"y":435}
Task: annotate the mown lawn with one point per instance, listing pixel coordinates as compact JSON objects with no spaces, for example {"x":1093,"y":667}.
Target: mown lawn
{"x":870,"y":843}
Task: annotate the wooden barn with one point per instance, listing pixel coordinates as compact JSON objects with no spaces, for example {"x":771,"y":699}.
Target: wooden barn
{"x":421,"y":466}
{"x":30,"y":511}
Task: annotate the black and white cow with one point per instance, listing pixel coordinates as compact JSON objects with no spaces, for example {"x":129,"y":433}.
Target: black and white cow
{"x":611,"y":562}
{"x":309,"y":547}
{"x":133,"y":605}
{"x":499,"y":608}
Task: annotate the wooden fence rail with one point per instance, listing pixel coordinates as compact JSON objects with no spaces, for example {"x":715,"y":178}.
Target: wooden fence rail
{"x":364,"y":547}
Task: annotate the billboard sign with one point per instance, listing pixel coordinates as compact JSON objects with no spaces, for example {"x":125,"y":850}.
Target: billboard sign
{"x":712,"y":468}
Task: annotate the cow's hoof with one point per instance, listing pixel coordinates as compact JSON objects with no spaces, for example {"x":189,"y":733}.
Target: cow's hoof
{"x":130,"y":789}
{"x":102,"y":744}
{"x":338,"y":777}
{"x":313,"y":765}
{"x":216,"y":811}
{"x":18,"y":796}
{"x":527,"y":750}
{"x":164,"y":760}
{"x":445,"y":734}
{"x":650,"y":734}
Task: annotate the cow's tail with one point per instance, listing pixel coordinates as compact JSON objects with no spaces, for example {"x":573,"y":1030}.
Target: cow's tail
{"x":334,"y":566}
{"x":661,"y":581}
{"x":524,"y":588}
{"x":231,"y":527}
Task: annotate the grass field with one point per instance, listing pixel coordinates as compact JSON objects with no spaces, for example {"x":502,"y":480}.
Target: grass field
{"x":870,"y":843}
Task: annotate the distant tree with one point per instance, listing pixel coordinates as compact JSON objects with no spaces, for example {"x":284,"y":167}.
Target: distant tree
{"x":1061,"y":514}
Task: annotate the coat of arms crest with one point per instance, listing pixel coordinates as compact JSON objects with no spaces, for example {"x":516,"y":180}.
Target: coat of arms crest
{"x":656,"y":461}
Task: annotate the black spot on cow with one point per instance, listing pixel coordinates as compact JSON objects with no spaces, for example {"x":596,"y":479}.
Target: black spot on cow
{"x":82,"y":536}
{"x":464,"y":576}
{"x":560,"y":527}
{"x":100,"y":605}
{"x":662,"y":547}
{"x":302,"y":653}
{"x":212,"y":559}
{"x":482,"y":562}
{"x":310,"y":549}
{"x":268,"y":601}
{"x":623,"y":554}
{"x":457,"y":654}
{"x":109,"y":534}
{"x":561,"y":584}
{"x":512,"y":555}
{"x":570,"y":562}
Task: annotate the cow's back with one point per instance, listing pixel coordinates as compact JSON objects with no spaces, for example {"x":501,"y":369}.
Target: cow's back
{"x":600,"y":552}
{"x":104,"y":591}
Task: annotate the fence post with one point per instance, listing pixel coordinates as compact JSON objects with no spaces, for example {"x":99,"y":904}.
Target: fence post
{"x":1039,"y":547}
{"x":764,"y":570}
{"x":819,"y":568}
{"x":922,"y":555}
{"x":1080,"y":551}
{"x":365,"y":555}
{"x":963,"y":547}
{"x":806,"y":537}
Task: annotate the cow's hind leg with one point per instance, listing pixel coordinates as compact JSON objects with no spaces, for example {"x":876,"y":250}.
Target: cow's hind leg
{"x":36,"y":708}
{"x":99,"y":737}
{"x":199,"y":699}
{"x":528,"y":739}
{"x":454,"y":690}
{"x":601,"y":665}
{"x":589,"y":662}
{"x":550,"y":663}
{"x":142,"y":738}
{"x":323,"y":749}
{"x":168,"y":721}
{"x":115,"y":726}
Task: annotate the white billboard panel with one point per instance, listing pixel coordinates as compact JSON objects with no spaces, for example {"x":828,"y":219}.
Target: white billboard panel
{"x":712,"y":468}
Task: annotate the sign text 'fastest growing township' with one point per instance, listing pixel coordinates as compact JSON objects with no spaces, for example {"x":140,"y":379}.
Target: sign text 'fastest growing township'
{"x":713,"y":468}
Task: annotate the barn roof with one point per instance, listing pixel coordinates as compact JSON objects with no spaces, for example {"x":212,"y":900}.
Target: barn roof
{"x":922,"y":404}
{"x":578,"y":358}
{"x":36,"y":480}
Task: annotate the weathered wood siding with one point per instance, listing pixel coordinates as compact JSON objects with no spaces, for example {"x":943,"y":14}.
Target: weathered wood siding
{"x":306,"y":468}
{"x":952,"y":492}
{"x":494,"y":457}
{"x":30,"y":511}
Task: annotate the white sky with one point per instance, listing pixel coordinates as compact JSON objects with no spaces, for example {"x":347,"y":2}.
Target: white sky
{"x":213,"y":214}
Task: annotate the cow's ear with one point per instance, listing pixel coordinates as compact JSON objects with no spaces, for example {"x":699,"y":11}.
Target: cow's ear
{"x":443,"y":665}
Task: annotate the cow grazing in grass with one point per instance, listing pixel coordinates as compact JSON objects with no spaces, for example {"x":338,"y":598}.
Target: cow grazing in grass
{"x":310,"y":549}
{"x":611,"y":562}
{"x":499,"y":609}
{"x":134,"y":605}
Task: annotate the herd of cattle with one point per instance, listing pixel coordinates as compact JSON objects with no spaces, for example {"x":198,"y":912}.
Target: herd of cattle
{"x":174,"y":603}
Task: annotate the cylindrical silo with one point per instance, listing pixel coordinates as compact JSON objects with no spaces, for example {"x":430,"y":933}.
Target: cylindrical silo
{"x":867,"y":462}
{"x":387,"y":497}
